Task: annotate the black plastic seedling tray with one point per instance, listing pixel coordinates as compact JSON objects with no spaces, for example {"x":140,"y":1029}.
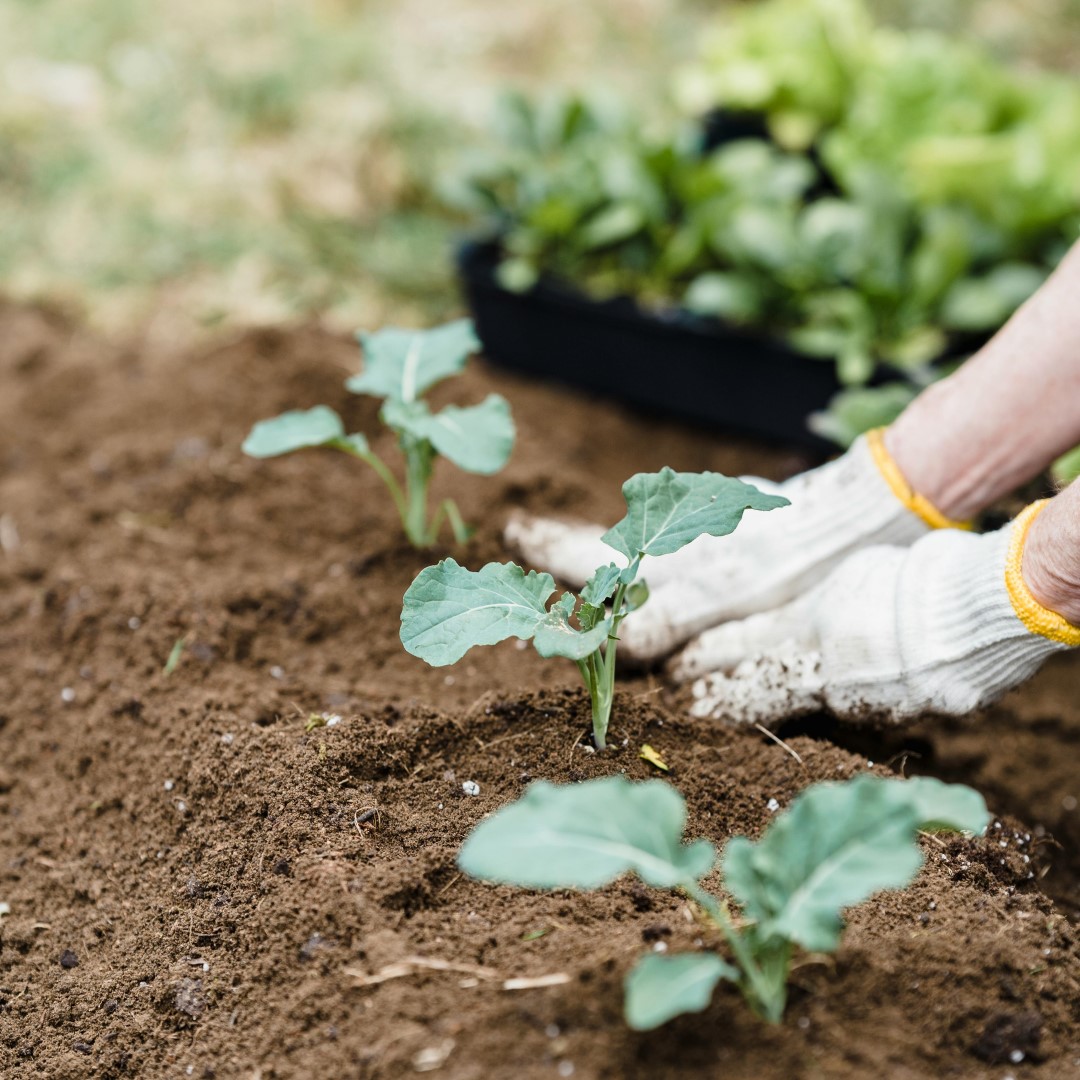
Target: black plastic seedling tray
{"x":694,"y":369}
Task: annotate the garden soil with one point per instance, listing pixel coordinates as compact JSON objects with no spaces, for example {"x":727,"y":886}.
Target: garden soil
{"x":206,"y":873}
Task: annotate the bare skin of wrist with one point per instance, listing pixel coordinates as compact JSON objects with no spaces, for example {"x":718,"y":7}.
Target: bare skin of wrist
{"x":1051,"y":566}
{"x":1006,"y":414}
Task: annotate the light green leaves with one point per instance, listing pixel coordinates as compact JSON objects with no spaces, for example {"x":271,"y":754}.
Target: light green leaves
{"x":837,"y":845}
{"x":667,"y":510}
{"x":659,"y":988}
{"x":586,"y":835}
{"x":403,"y":364}
{"x":447,"y":610}
{"x":477,"y":438}
{"x":399,"y":366}
{"x":294,"y":430}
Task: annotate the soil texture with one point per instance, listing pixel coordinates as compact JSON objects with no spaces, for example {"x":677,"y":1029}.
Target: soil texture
{"x":230,"y":802}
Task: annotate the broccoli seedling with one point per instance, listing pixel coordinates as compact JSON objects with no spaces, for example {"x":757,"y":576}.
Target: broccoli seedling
{"x":447,"y":610}
{"x":400,"y":366}
{"x":836,"y":845}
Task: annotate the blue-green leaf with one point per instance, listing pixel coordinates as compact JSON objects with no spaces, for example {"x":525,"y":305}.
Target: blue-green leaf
{"x":476,"y":438}
{"x":402,"y":364}
{"x":294,"y":430}
{"x":586,"y":835}
{"x":448,"y":610}
{"x":659,"y":988}
{"x":837,"y":845}
{"x":667,"y":510}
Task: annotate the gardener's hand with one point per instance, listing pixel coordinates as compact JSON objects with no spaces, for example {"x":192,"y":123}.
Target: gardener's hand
{"x":851,"y":503}
{"x":945,"y":626}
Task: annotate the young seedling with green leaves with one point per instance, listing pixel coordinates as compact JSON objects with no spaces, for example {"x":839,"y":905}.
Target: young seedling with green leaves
{"x":448,"y":609}
{"x":835,"y":846}
{"x":399,"y":367}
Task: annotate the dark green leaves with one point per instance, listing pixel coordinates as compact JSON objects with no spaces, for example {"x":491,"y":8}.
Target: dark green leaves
{"x":667,"y":510}
{"x":837,"y":845}
{"x":586,"y":835}
{"x":403,"y":364}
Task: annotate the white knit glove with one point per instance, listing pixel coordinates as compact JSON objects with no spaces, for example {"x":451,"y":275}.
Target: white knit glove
{"x":945,"y":626}
{"x":851,"y":503}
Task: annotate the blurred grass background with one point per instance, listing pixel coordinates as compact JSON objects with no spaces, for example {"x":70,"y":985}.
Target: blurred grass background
{"x":169,"y":169}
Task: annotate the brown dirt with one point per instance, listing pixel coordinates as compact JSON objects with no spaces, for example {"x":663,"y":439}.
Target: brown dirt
{"x":195,"y":880}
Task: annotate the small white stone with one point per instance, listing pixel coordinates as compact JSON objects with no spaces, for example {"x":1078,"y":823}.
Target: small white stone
{"x":471,"y":787}
{"x":449,"y":680}
{"x":772,"y":806}
{"x":1069,"y":802}
{"x":227,"y":738}
{"x":67,"y":694}
{"x":552,"y":1031}
{"x":566,"y":1068}
{"x":332,"y":719}
{"x":1016,"y":1056}
{"x":134,"y":622}
{"x":181,"y":806}
{"x":659,"y":946}
{"x":277,"y":672}
{"x":169,"y":785}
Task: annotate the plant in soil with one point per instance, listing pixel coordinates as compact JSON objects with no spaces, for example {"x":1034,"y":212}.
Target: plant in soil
{"x":448,"y":609}
{"x":835,"y":846}
{"x":399,"y":367}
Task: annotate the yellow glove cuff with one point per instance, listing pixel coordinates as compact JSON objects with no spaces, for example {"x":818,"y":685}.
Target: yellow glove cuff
{"x":1039,"y":620}
{"x":921,"y":507}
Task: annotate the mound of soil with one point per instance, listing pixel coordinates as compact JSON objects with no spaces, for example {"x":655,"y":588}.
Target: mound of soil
{"x":230,"y":803}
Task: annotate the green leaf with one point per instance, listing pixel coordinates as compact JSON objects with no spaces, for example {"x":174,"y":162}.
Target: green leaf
{"x":448,"y":610}
{"x":836,"y":846}
{"x":402,"y":364}
{"x":586,"y":835}
{"x":614,"y":223}
{"x":859,"y":409}
{"x":477,"y":438}
{"x":294,"y":430}
{"x":659,"y":988}
{"x":724,"y":295}
{"x":667,"y":510}
{"x":602,"y":585}
{"x":1067,"y":467}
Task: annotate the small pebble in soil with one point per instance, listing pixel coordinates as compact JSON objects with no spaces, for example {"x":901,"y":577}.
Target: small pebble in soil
{"x":566,"y":1068}
{"x":552,"y":1031}
{"x":134,"y":622}
{"x":277,"y":672}
{"x":772,"y":806}
{"x":659,"y":946}
{"x":111,"y":1006}
{"x":1016,"y":1056}
{"x":68,"y":960}
{"x":803,"y":1022}
{"x":169,"y":785}
{"x":227,"y":737}
{"x":471,"y":787}
{"x":1069,"y":802}
{"x":282,"y":868}
{"x":181,"y":806}
{"x":82,"y":1047}
{"x":67,"y":695}
{"x":332,"y":719}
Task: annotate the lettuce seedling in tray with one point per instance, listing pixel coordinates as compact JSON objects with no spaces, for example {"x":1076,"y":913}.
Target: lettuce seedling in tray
{"x":836,"y":845}
{"x":399,"y":367}
{"x":448,"y":609}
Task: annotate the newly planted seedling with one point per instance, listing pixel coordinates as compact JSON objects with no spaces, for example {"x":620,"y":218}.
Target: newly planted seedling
{"x":835,"y":846}
{"x":448,"y":609}
{"x":399,"y":367}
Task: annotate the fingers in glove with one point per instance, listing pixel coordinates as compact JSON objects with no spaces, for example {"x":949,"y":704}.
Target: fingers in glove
{"x":764,"y":690}
{"x":722,"y":649}
{"x":572,"y":552}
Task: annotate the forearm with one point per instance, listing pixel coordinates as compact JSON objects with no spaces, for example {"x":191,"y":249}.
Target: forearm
{"x":1051,"y":566}
{"x":1007,"y":413}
